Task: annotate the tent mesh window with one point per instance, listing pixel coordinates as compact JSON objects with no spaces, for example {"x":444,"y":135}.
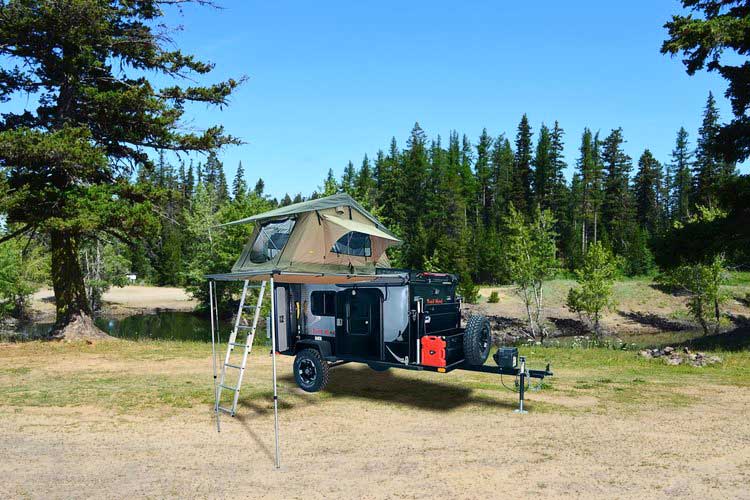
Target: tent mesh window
{"x":271,"y":240}
{"x":354,"y":243}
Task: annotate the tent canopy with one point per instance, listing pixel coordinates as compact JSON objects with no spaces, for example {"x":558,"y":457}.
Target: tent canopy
{"x":314,"y":240}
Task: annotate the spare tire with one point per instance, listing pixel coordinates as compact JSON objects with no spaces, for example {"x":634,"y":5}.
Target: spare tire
{"x":477,"y":340}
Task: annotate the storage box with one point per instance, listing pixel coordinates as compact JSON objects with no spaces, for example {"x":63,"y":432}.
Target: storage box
{"x":507,"y":357}
{"x":442,"y":351}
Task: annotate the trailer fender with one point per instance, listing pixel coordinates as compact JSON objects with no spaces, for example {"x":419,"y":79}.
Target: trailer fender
{"x":323,"y":347}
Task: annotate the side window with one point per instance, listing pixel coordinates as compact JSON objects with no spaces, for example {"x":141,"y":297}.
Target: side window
{"x":323,"y":303}
{"x":354,"y":243}
{"x":271,"y":239}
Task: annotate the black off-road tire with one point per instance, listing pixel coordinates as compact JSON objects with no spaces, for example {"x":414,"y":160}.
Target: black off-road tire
{"x":477,"y":340}
{"x":310,"y":370}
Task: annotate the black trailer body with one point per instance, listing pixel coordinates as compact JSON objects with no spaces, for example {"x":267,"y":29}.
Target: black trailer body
{"x":414,"y":324}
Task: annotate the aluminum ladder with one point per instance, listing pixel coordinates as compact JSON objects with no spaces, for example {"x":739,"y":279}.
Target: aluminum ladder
{"x":246,"y":344}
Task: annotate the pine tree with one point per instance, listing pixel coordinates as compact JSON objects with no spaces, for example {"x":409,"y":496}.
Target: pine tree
{"x":522,"y":192}
{"x":590,"y":176}
{"x":330,"y":186}
{"x":483,"y":175}
{"x":348,"y":179}
{"x":709,"y":168}
{"x":92,"y":70}
{"x":239,"y":186}
{"x":259,"y":188}
{"x":681,"y":162}
{"x":647,"y":190}
{"x":222,"y":189}
{"x":502,"y":178}
{"x":364,"y":185}
{"x":544,"y":173}
{"x":617,"y":207}
{"x":189,"y":182}
{"x":559,"y":189}
{"x":412,"y":197}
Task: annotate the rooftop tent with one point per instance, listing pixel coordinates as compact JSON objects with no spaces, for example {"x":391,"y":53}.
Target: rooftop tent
{"x":331,"y":238}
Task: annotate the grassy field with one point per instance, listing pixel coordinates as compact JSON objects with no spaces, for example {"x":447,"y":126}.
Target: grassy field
{"x":127,"y":418}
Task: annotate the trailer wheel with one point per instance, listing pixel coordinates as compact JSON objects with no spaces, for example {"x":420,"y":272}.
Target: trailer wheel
{"x":477,"y":340}
{"x":310,"y":370}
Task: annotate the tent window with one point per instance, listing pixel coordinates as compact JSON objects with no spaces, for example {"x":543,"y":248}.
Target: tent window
{"x":323,"y":303}
{"x":271,"y":240}
{"x":354,"y":243}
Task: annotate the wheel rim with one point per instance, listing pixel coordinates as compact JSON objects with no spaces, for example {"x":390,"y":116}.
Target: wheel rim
{"x":485,"y":339}
{"x":307,"y":372}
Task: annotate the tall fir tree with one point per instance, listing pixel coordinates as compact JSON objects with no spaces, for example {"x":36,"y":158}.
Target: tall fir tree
{"x":259,"y":188}
{"x":710,"y":170}
{"x":617,"y":207}
{"x":647,"y":191}
{"x":365,"y":185}
{"x":239,"y":185}
{"x":502,"y":178}
{"x":348,"y":179}
{"x":522,"y":190}
{"x":483,"y":176}
{"x":682,"y":194}
{"x":544,"y":171}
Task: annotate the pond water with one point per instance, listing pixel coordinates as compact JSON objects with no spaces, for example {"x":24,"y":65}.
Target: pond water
{"x":159,"y":326}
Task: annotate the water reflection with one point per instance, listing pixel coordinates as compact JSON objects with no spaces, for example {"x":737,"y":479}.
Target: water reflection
{"x":161,"y":326}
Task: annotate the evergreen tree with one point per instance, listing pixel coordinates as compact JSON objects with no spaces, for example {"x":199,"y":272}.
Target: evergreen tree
{"x":348,"y":179}
{"x":259,"y":188}
{"x":413,"y":197}
{"x":502,"y":178}
{"x":590,"y":169}
{"x":365,"y":185}
{"x":559,"y":189}
{"x":522,"y":192}
{"x":330,"y":186}
{"x":647,"y":189}
{"x":189,"y":182}
{"x":710,"y":170}
{"x":239,"y":186}
{"x":483,"y":175}
{"x":90,"y":66}
{"x":681,"y":162}
{"x":544,"y":172}
{"x":617,"y":207}
{"x":222,"y":189}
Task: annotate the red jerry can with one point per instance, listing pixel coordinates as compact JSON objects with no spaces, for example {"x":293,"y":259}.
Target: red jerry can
{"x":433,"y":351}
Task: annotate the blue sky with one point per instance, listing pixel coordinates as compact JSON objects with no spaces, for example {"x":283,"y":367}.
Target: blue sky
{"x":330,"y":81}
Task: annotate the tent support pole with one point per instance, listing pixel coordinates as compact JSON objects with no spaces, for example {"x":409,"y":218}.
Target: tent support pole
{"x":213,"y":351}
{"x":273,"y":363}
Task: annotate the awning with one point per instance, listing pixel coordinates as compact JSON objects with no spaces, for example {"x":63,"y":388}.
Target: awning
{"x":351,"y":225}
{"x":314,"y":278}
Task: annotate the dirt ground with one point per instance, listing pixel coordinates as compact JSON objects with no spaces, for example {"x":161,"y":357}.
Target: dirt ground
{"x":397,"y":434}
{"x":126,"y":300}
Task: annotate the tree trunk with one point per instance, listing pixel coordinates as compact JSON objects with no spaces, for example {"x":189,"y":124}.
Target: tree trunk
{"x":73,"y":314}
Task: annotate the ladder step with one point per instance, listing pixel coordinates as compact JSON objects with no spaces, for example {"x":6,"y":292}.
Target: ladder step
{"x":226,"y":410}
{"x":233,"y":366}
{"x":249,"y":307}
{"x":235,"y":344}
{"x":229,"y":388}
{"x":244,"y":327}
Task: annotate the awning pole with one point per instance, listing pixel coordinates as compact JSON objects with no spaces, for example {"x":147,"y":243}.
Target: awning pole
{"x":273,"y":362}
{"x":213,"y":351}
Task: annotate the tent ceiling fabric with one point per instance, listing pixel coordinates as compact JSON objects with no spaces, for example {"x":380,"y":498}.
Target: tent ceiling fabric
{"x":317,"y":279}
{"x":352,"y":225}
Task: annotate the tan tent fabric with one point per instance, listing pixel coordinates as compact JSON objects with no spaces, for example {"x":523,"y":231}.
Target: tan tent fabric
{"x":352,"y":225}
{"x":318,"y":225}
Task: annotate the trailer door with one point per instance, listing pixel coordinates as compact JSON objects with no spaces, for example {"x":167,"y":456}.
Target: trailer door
{"x":358,"y":324}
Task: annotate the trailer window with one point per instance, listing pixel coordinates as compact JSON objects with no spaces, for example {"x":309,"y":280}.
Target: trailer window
{"x":354,"y":243}
{"x":271,"y":239}
{"x":323,"y":303}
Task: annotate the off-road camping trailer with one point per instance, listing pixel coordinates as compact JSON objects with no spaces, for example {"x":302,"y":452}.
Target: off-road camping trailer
{"x":334,"y":299}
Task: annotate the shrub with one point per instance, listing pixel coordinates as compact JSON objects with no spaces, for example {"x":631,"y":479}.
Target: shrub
{"x":494,"y":297}
{"x":595,"y":279}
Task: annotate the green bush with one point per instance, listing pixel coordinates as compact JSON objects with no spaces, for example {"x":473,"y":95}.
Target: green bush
{"x":494,"y":297}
